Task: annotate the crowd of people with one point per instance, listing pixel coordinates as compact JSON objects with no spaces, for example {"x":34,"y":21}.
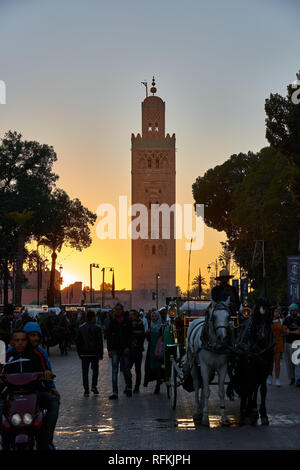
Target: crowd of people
{"x":127,"y":334}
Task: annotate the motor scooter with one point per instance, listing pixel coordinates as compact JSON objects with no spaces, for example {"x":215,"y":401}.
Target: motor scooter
{"x":22,"y":416}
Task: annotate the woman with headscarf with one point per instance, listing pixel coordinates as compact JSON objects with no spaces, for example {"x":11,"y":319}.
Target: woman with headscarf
{"x":153,"y":369}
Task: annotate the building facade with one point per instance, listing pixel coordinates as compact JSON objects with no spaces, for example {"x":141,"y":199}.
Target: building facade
{"x":153,"y":183}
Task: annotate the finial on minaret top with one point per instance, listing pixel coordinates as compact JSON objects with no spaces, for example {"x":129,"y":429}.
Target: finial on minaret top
{"x":153,"y":89}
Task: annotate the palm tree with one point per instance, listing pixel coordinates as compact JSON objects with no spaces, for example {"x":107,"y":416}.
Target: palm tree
{"x":199,"y":282}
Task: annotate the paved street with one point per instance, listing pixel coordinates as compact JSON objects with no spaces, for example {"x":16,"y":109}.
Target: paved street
{"x":146,"y":421}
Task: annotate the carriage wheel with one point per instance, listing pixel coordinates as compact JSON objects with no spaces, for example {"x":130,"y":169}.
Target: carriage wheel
{"x":173,"y":388}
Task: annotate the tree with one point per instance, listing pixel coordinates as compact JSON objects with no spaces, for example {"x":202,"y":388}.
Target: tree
{"x":214,"y":190}
{"x":282,"y":123}
{"x":283,"y":129}
{"x":107,"y":286}
{"x":260,"y":214}
{"x":260,"y":206}
{"x":67,"y":224}
{"x":199,"y":282}
{"x":26,"y":180}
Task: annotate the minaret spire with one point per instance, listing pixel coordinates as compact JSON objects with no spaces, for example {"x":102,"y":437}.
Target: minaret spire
{"x":153,"y":89}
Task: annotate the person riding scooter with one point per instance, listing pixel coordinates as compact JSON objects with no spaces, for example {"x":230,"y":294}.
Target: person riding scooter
{"x":23,"y":358}
{"x":34,"y":335}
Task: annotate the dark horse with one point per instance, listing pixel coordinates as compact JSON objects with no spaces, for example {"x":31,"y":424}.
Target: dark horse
{"x":251,"y":365}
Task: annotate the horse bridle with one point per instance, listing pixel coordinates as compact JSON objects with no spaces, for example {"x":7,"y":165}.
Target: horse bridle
{"x":220,"y":306}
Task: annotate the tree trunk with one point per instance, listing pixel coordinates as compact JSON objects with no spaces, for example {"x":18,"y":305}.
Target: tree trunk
{"x":19,"y":269}
{"x":52,"y":290}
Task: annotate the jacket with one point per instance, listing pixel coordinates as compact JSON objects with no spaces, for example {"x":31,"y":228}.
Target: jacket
{"x":138,"y":336}
{"x":89,"y":340}
{"x":119,"y":335}
{"x":30,"y":360}
{"x":50,"y":383}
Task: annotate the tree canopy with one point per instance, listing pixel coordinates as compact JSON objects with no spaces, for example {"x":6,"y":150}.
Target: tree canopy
{"x":255,"y":196}
{"x":33,"y":208}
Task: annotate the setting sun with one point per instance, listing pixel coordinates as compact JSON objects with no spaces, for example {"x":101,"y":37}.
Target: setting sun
{"x":67,"y":279}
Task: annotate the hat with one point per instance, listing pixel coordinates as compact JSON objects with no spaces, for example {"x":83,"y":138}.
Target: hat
{"x":293,"y":307}
{"x":32,"y":326}
{"x":223,"y":274}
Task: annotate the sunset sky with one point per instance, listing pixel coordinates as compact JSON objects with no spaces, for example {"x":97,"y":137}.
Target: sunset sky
{"x":73,"y":72}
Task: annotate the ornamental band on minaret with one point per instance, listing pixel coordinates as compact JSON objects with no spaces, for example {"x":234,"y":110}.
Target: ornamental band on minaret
{"x":153,"y":182}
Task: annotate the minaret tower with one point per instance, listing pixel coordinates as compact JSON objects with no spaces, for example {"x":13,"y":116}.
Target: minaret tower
{"x":153,"y":182}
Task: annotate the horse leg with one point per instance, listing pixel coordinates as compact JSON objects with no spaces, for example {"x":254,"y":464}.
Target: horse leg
{"x":262,"y":409}
{"x":254,"y":411}
{"x":206,"y":392}
{"x":222,"y":374}
{"x":195,"y":374}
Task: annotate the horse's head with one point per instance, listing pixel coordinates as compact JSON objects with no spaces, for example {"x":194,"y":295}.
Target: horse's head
{"x":219,"y":318}
{"x":261,"y":320}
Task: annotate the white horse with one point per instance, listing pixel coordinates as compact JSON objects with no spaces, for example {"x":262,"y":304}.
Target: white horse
{"x":209,"y":356}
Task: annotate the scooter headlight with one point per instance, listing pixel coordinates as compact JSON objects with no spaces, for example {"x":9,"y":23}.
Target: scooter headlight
{"x":16,"y":419}
{"x":27,"y":418}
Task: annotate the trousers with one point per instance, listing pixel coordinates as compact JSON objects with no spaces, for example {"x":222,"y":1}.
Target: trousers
{"x":136,"y":360}
{"x":119,"y":358}
{"x":86,"y":362}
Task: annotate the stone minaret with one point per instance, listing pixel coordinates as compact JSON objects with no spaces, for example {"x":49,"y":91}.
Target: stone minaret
{"x":153,"y":182}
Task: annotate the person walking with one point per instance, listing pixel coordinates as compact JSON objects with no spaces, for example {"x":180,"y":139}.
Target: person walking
{"x":291,"y":330}
{"x":119,"y":339}
{"x":279,"y":346}
{"x":89,"y":345}
{"x":6,"y":323}
{"x":143,"y":317}
{"x":137,"y":347}
{"x":153,"y":369}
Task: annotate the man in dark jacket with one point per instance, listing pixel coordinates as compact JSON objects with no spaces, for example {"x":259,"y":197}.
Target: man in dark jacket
{"x":90,"y":350}
{"x":119,"y":337}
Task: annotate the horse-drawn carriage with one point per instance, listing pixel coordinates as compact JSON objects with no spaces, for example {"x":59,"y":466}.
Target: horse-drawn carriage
{"x":203,"y":339}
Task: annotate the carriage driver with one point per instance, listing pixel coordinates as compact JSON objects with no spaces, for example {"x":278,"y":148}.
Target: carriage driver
{"x":224,"y":290}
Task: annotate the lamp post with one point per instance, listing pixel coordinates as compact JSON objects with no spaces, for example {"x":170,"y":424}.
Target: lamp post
{"x":103,"y":273}
{"x":209,"y":266}
{"x":157,"y":277}
{"x":92,"y":265}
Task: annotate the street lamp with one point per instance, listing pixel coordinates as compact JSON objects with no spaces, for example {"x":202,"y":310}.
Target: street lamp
{"x":103,"y":272}
{"x":215,"y":263}
{"x":92,"y":265}
{"x":157,"y":277}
